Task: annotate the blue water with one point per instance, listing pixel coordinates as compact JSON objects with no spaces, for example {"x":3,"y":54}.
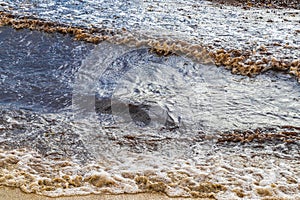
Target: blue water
{"x":37,"y":69}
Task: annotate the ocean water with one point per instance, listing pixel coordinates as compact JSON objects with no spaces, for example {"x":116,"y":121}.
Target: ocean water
{"x":83,"y":118}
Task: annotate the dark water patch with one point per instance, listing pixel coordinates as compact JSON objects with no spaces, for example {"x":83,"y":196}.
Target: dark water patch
{"x":37,"y":69}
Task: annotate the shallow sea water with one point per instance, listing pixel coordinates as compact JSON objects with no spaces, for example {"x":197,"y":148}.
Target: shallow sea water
{"x":79,"y":118}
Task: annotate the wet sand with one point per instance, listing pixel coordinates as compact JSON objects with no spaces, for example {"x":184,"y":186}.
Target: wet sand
{"x":16,"y":194}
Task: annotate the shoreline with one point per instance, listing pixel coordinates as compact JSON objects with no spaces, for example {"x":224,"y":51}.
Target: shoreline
{"x":10,"y":193}
{"x":242,"y":158}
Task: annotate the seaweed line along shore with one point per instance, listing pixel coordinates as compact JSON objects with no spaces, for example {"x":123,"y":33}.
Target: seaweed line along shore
{"x":248,"y":61}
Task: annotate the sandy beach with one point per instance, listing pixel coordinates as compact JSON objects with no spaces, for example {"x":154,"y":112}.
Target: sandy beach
{"x":14,"y":193}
